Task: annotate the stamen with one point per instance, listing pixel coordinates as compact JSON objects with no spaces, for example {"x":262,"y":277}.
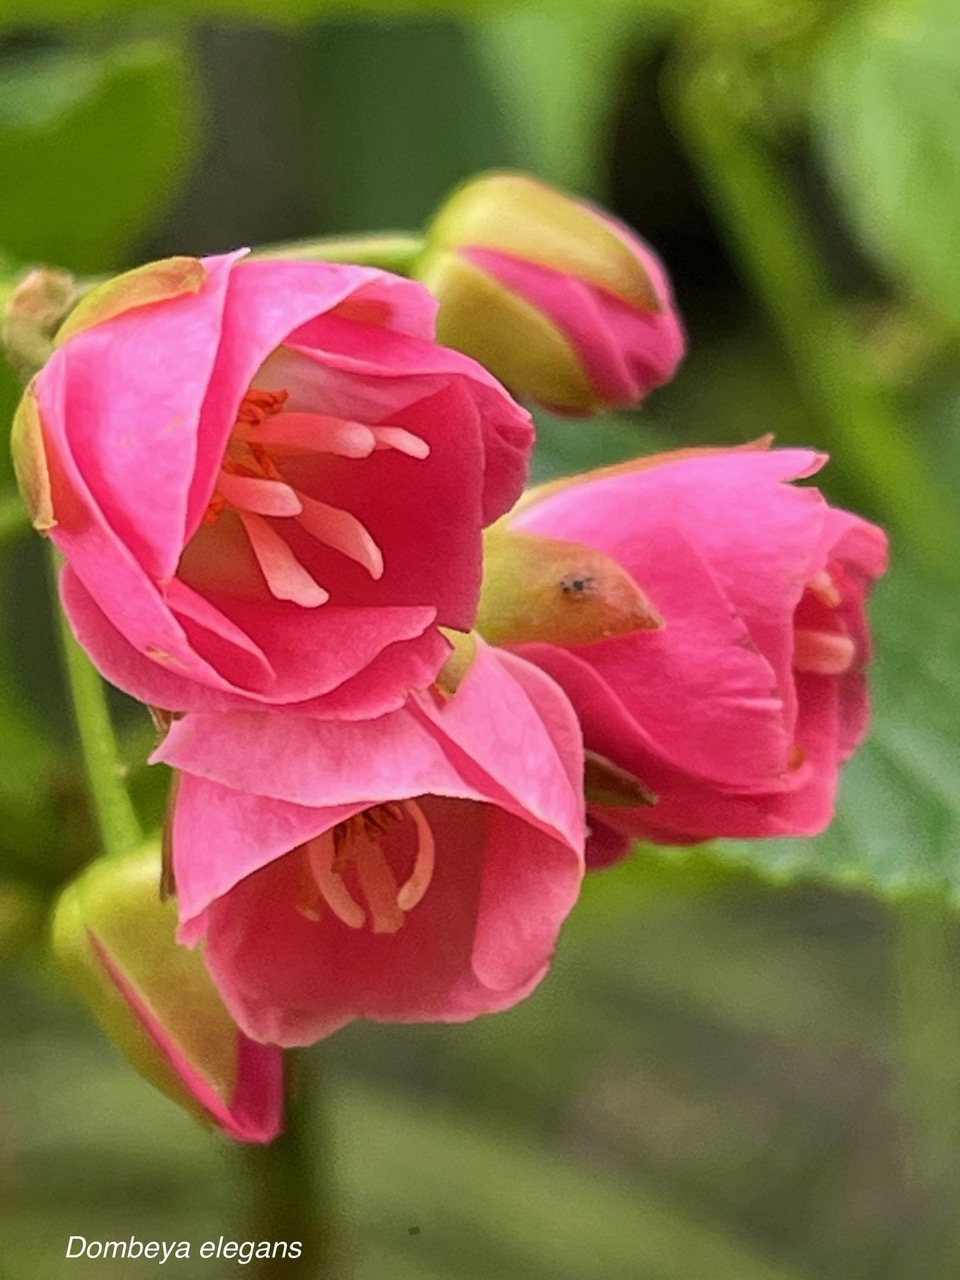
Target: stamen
{"x":309,"y":900}
{"x":419,"y":882}
{"x":402,"y":440}
{"x":314,"y":432}
{"x":265,"y":497}
{"x":825,"y":589}
{"x":259,"y":403}
{"x":342,"y":531}
{"x":285,"y":575}
{"x":320,"y":854}
{"x":823,"y":653}
{"x":379,"y":886}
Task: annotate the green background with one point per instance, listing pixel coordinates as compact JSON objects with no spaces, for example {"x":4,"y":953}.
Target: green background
{"x":745,"y":1064}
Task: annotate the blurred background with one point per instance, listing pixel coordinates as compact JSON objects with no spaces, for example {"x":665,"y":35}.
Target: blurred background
{"x":745,"y":1064}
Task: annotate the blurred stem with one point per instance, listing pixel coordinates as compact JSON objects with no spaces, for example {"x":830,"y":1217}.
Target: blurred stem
{"x":14,"y":520}
{"x":286,"y":1193}
{"x":393,"y":251}
{"x":119,"y":828}
{"x":781,"y":257}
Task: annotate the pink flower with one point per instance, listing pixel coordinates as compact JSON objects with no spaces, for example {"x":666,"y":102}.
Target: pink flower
{"x":417,"y":867}
{"x":268,"y":481}
{"x":155,"y":1000}
{"x":740,"y":711}
{"x":561,"y":301}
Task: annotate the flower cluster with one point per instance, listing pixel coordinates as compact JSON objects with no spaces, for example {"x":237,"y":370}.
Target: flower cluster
{"x":406,"y":703}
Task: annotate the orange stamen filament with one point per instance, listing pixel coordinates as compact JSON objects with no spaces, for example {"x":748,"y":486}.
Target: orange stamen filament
{"x":825,"y":589}
{"x":823,"y":653}
{"x":320,"y":854}
{"x":252,"y":485}
{"x":421,"y":875}
{"x":357,"y":843}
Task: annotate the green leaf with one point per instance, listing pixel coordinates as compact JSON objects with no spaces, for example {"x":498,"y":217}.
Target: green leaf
{"x":888,"y":110}
{"x":90,"y":147}
{"x":557,"y":73}
{"x":897,"y":829}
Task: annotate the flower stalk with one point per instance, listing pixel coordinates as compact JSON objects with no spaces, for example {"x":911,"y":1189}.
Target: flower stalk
{"x":115,"y":815}
{"x":286,"y":1191}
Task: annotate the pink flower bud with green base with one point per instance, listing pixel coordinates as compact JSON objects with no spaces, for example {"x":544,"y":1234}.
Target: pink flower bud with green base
{"x":413,"y":868}
{"x":268,"y":481}
{"x":156,"y":1002}
{"x":563,"y":303}
{"x":734,"y":717}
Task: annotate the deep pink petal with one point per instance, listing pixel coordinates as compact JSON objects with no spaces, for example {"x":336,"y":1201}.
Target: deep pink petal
{"x":423,"y":513}
{"x":405,"y":370}
{"x":380,"y":686}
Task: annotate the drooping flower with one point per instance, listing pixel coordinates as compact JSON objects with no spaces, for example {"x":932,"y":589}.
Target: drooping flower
{"x":155,"y":1000}
{"x":566,"y":305}
{"x":736,"y":715}
{"x":268,"y":482}
{"x":416,"y":867}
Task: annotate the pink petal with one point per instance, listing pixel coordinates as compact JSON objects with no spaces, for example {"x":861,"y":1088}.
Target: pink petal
{"x":312,"y":662}
{"x":323,"y":974}
{"x":129,"y":425}
{"x":266,"y":301}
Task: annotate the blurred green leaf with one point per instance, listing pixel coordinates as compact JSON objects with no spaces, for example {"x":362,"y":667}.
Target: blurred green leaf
{"x":558,"y":73}
{"x":90,"y":146}
{"x":490,"y":1206}
{"x":276,"y":12}
{"x":888,"y":110}
{"x":395,"y":113}
{"x":897,"y":830}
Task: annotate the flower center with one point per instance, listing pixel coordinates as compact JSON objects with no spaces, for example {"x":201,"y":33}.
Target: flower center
{"x":251,"y":484}
{"x":356,"y":846}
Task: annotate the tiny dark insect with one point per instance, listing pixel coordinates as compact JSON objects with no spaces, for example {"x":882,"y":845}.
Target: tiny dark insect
{"x":575,"y":584}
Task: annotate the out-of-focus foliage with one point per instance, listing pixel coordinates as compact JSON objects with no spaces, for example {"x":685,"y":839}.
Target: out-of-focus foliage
{"x":287,"y":11}
{"x":90,"y":145}
{"x":888,"y":115}
{"x":729,"y":1073}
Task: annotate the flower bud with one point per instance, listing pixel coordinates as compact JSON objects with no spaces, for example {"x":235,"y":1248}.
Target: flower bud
{"x":550,"y":591}
{"x":156,"y":1002}
{"x":559,"y":300}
